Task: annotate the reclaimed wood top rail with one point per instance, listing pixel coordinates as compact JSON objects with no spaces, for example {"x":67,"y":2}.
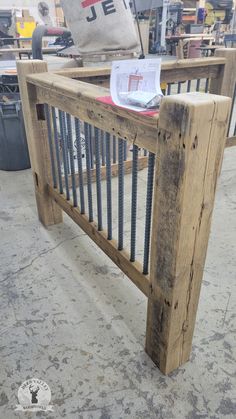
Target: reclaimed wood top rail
{"x":80,"y":100}
{"x":171,"y":71}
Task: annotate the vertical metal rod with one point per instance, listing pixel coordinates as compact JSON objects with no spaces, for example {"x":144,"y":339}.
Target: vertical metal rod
{"x":198,"y":85}
{"x":114,"y":149}
{"x":168,"y":88}
{"x":148,"y":217}
{"x":80,"y":165}
{"x":66,"y":145}
{"x":207,"y":86}
{"x":50,"y":143}
{"x":188,"y":86}
{"x":72,"y":163}
{"x":134,"y":203}
{"x":64,"y":152}
{"x":108,"y":181}
{"x":120,"y":194}
{"x":57,"y":149}
{"x":125,"y":150}
{"x":98,"y":178}
{"x":179,"y":87}
{"x":102,"y":148}
{"x":91,"y":146}
{"x":88,"y":168}
{"x":145,"y":152}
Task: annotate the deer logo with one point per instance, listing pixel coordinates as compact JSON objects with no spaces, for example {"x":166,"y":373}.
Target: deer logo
{"x":34,"y":395}
{"x":34,"y":392}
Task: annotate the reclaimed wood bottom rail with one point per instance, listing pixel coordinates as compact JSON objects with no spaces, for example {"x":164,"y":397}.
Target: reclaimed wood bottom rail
{"x":121,"y":258}
{"x":189,"y":141}
{"x":142,"y":164}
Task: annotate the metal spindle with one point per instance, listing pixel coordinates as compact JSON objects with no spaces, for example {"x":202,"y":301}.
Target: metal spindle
{"x":80,"y":165}
{"x":102,"y":148}
{"x":188,"y":86}
{"x":108,"y":182}
{"x":64,"y":152}
{"x":88,"y":168}
{"x":125,"y":150}
{"x":179,"y":87}
{"x":72,"y":163}
{"x":198,"y":85}
{"x":57,"y":149}
{"x":98,"y":178}
{"x":67,"y":145}
{"x":91,"y":147}
{"x":114,"y":149}
{"x":134,"y":203}
{"x":207,"y":86}
{"x":48,"y":118}
{"x":168,"y":88}
{"x":148,"y":217}
{"x":120,"y":194}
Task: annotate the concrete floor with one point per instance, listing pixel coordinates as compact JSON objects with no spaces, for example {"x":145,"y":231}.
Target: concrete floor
{"x":72,"y":319}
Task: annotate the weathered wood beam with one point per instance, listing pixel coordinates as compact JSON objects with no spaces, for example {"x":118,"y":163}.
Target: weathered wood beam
{"x":37,"y":138}
{"x":79,"y":99}
{"x":190,"y":151}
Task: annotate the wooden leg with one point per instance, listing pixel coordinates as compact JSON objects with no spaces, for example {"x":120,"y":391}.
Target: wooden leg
{"x":48,"y":211}
{"x":191,"y":140}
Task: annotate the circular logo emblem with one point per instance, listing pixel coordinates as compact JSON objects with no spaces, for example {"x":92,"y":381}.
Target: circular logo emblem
{"x":34,"y":395}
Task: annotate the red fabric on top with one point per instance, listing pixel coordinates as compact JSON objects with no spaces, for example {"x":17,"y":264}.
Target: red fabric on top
{"x":87,"y":3}
{"x":108,"y":101}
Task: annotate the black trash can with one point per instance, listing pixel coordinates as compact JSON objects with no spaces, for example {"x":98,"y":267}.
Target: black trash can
{"x":14,"y":153}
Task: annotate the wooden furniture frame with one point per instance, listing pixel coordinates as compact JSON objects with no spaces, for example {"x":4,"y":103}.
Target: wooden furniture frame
{"x":188,"y":138}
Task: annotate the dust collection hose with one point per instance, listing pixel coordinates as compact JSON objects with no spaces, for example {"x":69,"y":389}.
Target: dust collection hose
{"x":42,"y":31}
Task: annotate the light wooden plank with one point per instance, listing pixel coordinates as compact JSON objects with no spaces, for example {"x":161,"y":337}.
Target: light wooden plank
{"x":121,"y":258}
{"x":190,"y":151}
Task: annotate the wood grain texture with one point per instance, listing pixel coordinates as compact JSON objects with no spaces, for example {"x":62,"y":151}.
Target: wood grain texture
{"x":36,"y":131}
{"x":121,"y":258}
{"x":170,"y":70}
{"x":225,"y":82}
{"x":190,"y":151}
{"x":79,"y":99}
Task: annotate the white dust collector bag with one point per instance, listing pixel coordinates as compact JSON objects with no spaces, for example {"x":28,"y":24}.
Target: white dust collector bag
{"x":99,"y":26}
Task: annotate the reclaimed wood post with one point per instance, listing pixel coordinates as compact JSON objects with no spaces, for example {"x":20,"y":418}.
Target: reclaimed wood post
{"x":36,"y":129}
{"x":225,"y":83}
{"x":191,"y":140}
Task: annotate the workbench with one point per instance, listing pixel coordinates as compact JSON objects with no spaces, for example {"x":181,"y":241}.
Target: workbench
{"x":179,"y":41}
{"x":28,"y":51}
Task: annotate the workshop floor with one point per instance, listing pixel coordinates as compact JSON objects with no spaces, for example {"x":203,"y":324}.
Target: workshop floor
{"x":72,"y":319}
